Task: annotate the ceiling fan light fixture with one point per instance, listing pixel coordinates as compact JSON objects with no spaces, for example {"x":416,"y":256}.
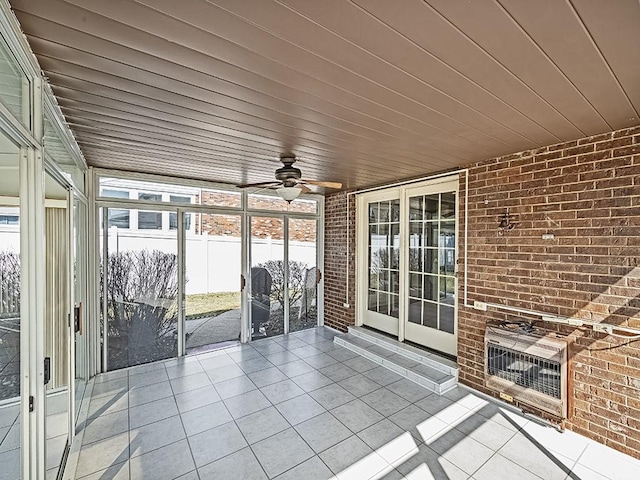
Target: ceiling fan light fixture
{"x":289,"y":193}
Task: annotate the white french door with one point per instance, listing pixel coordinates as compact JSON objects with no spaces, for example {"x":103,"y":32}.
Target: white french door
{"x":430,"y":267}
{"x":379,"y":260}
{"x":407,"y":263}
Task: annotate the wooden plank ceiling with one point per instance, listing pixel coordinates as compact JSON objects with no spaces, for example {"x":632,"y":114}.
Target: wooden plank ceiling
{"x":364,"y":91}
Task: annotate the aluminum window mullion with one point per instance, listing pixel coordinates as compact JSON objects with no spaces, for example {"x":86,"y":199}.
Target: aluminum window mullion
{"x":105,"y":275}
{"x":181,"y":283}
{"x":286,"y":274}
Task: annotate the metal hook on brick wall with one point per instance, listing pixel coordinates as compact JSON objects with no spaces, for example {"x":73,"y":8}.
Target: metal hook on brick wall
{"x":505,"y":223}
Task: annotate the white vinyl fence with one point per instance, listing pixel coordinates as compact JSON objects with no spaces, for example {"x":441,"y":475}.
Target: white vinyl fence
{"x":213,"y":263}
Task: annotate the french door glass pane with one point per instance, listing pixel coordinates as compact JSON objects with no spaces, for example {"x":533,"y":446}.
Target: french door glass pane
{"x":303,"y":274}
{"x":212,"y":275}
{"x":432,"y":288}
{"x":10,"y":320}
{"x":384,"y":256}
{"x":141,"y":293}
{"x":267,"y":277}
{"x":57,"y":334}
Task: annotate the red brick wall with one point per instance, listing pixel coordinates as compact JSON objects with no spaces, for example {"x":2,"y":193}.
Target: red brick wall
{"x":336,"y":315}
{"x":262,"y":227}
{"x":587,"y":194}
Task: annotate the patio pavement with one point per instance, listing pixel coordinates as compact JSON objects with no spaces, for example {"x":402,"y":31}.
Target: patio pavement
{"x":210,"y":330}
{"x":298,"y":407}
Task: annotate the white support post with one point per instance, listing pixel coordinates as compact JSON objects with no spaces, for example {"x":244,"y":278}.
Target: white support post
{"x":181,"y":285}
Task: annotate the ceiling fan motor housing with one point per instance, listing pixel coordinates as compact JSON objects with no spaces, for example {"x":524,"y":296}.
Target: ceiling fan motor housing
{"x":288,"y":172}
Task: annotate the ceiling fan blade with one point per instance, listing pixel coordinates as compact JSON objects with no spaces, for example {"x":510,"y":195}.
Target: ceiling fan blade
{"x":260,"y":184}
{"x":304,"y":188}
{"x":319,"y":183}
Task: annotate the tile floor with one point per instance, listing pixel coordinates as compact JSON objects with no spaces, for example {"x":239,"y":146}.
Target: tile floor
{"x":299,"y":407}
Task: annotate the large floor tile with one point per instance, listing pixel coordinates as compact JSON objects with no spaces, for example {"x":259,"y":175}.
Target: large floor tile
{"x":267,"y":377}
{"x":119,"y":471}
{"x":106,"y":426}
{"x":299,"y":409}
{"x":255,"y":364}
{"x":220,"y":374}
{"x":148,"y":378}
{"x":155,"y":435}
{"x":606,"y":461}
{"x":534,"y":457}
{"x":281,"y":391}
{"x":338,"y":372}
{"x":464,"y":452}
{"x":166,"y":463}
{"x":323,"y":431}
{"x":341,"y":354}
{"x":246,"y":403}
{"x":409,"y":419}
{"x":295,"y":368}
{"x":184,"y":369}
{"x":314,"y":468}
{"x":149,"y":393}
{"x":190,"y":382}
{"x":331,"y":396}
{"x":234,"y":386}
{"x":108,"y":404}
{"x":241,"y":465}
{"x":427,"y":464}
{"x":385,"y":401}
{"x":244,"y":353}
{"x":356,"y":415}
{"x":312,"y":381}
{"x":281,"y":357}
{"x":360,"y":364}
{"x":380,"y":433}
{"x":409,"y":390}
{"x":216,"y":443}
{"x":152,"y":412}
{"x":197,"y":398}
{"x":320,"y":361}
{"x":359,"y":385}
{"x":10,"y":461}
{"x":262,"y":424}
{"x":352,"y":459}
{"x":102,"y":454}
{"x":382,"y":375}
{"x":485,"y":431}
{"x":500,"y":467}
{"x":204,"y":418}
{"x":281,"y":452}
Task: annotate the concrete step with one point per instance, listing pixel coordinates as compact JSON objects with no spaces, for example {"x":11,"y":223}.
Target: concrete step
{"x":435,"y":373}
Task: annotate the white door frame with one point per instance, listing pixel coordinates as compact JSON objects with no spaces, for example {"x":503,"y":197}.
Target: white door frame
{"x":402,"y":192}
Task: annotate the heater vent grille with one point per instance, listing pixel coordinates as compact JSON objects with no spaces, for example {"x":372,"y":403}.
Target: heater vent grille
{"x":526,"y":370}
{"x":528,"y":367}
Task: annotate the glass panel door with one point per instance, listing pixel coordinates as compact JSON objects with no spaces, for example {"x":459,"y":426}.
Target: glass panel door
{"x":267,"y":277}
{"x":304,"y":274}
{"x":380,"y":268}
{"x":213,"y":256}
{"x":57,"y":334}
{"x":10,"y":319}
{"x":431,"y":261}
{"x":141,"y":289}
{"x":80,"y":279}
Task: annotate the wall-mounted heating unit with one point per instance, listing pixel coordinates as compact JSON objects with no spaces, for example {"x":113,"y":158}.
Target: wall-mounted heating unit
{"x":531,"y":369}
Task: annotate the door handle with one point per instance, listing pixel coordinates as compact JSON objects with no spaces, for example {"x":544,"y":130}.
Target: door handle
{"x":47,"y":370}
{"x":318,"y":276}
{"x":243,"y":282}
